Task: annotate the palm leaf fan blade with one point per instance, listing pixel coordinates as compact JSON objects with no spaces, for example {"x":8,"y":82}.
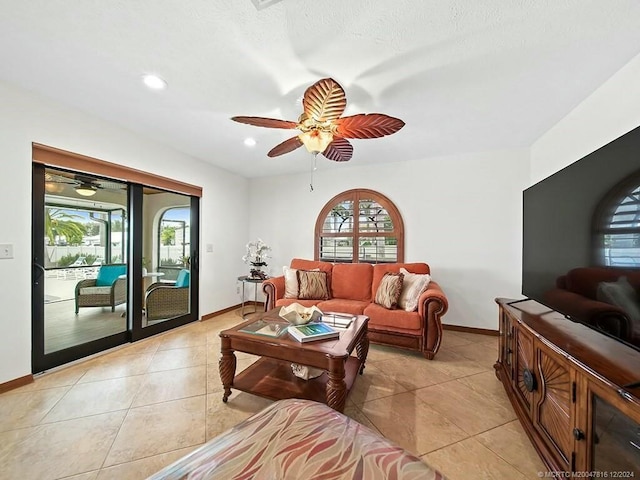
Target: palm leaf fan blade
{"x":285,"y":147}
{"x":265,"y":122}
{"x":324,"y":101}
{"x":371,"y":125}
{"x":340,"y":150}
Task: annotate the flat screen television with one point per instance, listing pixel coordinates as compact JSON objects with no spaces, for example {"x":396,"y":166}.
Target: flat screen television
{"x":581,"y":240}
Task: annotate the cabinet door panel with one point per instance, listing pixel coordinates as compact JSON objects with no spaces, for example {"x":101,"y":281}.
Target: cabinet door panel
{"x":553,"y":408}
{"x":523,"y":364}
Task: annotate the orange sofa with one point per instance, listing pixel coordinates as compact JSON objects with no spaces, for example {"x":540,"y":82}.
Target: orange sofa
{"x":352,"y":288}
{"x":577,"y":295}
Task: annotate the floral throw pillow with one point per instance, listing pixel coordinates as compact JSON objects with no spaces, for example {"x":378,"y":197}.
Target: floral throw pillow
{"x":388,"y":292}
{"x":312,"y":285}
{"x":414,"y":285}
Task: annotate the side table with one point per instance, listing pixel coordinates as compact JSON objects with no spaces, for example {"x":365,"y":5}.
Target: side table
{"x":256,"y":281}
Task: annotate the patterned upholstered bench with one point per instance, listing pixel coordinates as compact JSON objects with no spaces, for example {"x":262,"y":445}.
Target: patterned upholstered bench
{"x":299,"y":439}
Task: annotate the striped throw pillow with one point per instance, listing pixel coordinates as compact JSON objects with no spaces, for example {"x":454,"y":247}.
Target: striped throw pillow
{"x":388,"y":292}
{"x":312,"y":285}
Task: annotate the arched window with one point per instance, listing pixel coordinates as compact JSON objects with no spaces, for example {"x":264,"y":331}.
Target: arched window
{"x":173,"y":238}
{"x":359,"y":226}
{"x":617,"y":225}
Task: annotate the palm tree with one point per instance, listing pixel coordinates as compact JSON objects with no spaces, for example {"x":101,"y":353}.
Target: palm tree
{"x":58,"y":223}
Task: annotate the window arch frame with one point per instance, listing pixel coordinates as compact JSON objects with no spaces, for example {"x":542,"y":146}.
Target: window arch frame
{"x":355,"y":195}
{"x":605,"y":211}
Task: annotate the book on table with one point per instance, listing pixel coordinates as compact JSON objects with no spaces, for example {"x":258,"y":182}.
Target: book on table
{"x":338,"y":320}
{"x":262,"y":327}
{"x":312,"y":331}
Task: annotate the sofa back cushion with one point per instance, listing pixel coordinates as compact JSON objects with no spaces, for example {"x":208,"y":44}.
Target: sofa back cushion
{"x":108,"y":274}
{"x":352,"y":281}
{"x":381,"y":268}
{"x":584,"y":280}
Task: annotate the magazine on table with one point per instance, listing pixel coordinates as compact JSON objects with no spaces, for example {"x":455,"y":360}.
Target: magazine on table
{"x":312,"y":331}
{"x":338,"y":320}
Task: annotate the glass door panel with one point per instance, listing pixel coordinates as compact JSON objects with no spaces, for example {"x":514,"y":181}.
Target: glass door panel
{"x":80,"y":294}
{"x":113,"y":262}
{"x":166,"y":273}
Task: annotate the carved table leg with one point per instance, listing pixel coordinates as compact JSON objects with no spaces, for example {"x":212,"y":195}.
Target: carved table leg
{"x":362,"y":350}
{"x":227,"y":365}
{"x":336,"y":386}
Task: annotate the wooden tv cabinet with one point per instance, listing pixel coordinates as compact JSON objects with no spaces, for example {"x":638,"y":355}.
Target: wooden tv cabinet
{"x":554,"y":372}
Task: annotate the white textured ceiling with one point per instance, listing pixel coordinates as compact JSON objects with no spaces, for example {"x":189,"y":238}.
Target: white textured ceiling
{"x":464,"y":75}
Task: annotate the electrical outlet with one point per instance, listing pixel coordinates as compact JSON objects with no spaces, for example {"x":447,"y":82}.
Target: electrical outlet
{"x":238,"y":289}
{"x":6,"y":250}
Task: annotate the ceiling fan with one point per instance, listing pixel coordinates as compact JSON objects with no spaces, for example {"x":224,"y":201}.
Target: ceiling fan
{"x":84,"y":185}
{"x":323,"y":129}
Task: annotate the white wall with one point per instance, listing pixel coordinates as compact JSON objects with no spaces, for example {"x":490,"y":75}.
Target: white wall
{"x":611,"y":111}
{"x":462,"y":216}
{"x":26,"y":118}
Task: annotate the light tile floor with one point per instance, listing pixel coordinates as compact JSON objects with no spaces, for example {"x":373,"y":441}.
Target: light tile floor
{"x":127,"y":413}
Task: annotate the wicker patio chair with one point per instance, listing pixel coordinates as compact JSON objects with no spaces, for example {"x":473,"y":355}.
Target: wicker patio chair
{"x":106,"y":290}
{"x":168,"y":299}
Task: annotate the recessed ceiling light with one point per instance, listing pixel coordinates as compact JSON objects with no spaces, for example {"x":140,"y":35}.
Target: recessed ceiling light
{"x":154,"y":82}
{"x":250,"y":142}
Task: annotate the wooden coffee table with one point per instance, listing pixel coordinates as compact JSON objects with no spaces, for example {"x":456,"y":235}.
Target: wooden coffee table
{"x":271,"y":376}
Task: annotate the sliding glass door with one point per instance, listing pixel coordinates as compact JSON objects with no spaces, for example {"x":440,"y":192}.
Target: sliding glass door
{"x":168,"y":280}
{"x":113,"y":262}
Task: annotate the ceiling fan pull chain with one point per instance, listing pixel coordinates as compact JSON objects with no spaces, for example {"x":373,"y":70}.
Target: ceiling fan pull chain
{"x":314,"y":167}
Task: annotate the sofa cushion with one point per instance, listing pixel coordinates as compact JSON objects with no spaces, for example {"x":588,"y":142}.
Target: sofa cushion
{"x":312,"y":285}
{"x":381,"y":268}
{"x":380,"y":317}
{"x":108,"y":274}
{"x":340,"y":305}
{"x":352,"y":281}
{"x":388,"y":292}
{"x":413,"y":286}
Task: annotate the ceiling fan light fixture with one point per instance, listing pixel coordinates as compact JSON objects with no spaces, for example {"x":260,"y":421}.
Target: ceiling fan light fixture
{"x":316,"y":141}
{"x":86,"y":190}
{"x":53,"y":187}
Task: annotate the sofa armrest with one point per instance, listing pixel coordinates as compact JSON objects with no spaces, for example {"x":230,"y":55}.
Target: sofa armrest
{"x":273,"y":289}
{"x":609,"y":318}
{"x":432,"y":305}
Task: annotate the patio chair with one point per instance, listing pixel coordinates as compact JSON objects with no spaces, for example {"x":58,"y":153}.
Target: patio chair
{"x":108,"y":289}
{"x":168,"y":299}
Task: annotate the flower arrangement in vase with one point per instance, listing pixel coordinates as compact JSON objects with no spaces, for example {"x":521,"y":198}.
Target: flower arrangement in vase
{"x":257,"y":253}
